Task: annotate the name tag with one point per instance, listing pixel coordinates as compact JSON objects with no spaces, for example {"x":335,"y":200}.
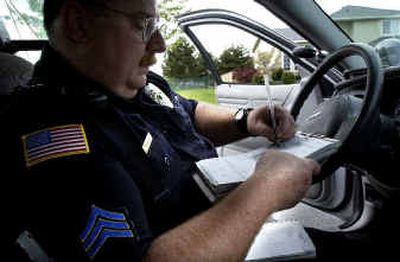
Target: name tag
{"x":147,"y":143}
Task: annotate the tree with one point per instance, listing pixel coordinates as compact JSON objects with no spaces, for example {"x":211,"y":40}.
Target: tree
{"x":233,"y":58}
{"x":244,"y":74}
{"x":168,"y":10}
{"x":267,"y":61}
{"x":181,"y":61}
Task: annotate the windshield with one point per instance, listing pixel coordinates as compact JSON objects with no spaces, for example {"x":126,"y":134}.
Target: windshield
{"x":376,"y":23}
{"x":22,"y":19}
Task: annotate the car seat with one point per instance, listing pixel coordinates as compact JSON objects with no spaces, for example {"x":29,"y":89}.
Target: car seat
{"x":14,"y":71}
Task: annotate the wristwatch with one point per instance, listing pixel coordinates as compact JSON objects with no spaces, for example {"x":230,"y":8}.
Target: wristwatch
{"x":241,"y":119}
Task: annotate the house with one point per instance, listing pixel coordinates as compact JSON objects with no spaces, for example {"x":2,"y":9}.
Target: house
{"x":368,"y":25}
{"x":362,"y":24}
{"x":287,"y":63}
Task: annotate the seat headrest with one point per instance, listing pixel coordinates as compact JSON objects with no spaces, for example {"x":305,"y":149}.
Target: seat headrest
{"x":14,"y":71}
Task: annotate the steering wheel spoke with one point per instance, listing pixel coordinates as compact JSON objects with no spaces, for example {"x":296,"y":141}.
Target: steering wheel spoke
{"x":349,"y":117}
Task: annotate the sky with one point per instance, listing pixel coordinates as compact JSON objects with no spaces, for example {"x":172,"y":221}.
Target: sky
{"x":334,"y":5}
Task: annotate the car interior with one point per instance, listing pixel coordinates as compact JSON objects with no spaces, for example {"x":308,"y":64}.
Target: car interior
{"x":344,"y":93}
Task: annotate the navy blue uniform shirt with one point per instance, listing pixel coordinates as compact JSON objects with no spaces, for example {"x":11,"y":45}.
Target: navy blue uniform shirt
{"x":100,"y":177}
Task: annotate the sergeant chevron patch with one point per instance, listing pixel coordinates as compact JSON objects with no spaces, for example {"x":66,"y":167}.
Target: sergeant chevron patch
{"x":102,"y":225}
{"x":54,"y":142}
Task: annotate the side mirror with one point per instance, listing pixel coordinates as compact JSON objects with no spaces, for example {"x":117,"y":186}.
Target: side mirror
{"x":305,"y":52}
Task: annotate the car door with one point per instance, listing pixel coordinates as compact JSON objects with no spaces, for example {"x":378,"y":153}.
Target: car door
{"x":339,"y":196}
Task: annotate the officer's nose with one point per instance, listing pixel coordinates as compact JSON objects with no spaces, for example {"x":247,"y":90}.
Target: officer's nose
{"x":156,"y":43}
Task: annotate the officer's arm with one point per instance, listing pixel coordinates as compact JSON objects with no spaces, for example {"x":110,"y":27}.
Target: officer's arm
{"x":222,"y":233}
{"x":225,"y":232}
{"x":217,"y":123}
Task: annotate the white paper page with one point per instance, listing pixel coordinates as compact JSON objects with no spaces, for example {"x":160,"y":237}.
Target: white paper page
{"x":230,"y":169}
{"x":237,"y":168}
{"x":285,"y":239}
{"x":303,"y":146}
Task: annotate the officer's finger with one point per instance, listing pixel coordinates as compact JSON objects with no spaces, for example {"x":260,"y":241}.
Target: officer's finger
{"x":286,"y":125}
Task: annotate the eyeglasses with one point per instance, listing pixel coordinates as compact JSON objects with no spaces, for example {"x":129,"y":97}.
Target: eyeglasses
{"x":147,"y":25}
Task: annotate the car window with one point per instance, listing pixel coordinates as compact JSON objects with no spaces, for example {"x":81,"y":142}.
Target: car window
{"x":376,"y":23}
{"x":243,"y":58}
{"x":22,"y":20}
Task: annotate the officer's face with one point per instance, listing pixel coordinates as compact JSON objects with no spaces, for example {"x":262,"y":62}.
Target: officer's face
{"x":119,"y":49}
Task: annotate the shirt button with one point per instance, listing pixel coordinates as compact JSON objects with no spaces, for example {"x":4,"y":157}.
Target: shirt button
{"x":167,"y":161}
{"x":167,"y":165}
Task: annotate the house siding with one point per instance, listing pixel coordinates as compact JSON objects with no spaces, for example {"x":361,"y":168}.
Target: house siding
{"x":363,"y":30}
{"x":347,"y":26}
{"x":367,"y":30}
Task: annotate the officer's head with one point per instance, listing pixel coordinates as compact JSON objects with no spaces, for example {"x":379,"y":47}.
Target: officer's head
{"x":110,"y":41}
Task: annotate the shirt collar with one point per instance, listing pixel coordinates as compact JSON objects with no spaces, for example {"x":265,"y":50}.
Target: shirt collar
{"x":55,"y":72}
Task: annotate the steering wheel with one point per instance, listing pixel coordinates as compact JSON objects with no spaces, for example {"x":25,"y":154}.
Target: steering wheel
{"x":358,"y":135}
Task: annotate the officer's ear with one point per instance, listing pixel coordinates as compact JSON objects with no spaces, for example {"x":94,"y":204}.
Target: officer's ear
{"x":75,"y":21}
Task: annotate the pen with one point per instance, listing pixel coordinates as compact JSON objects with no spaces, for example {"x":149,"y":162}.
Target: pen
{"x":271,"y":107}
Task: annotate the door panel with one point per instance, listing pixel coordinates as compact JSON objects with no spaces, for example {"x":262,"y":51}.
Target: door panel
{"x":239,"y":95}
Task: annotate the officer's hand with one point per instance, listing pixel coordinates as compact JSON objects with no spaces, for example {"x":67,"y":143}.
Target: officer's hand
{"x":259,"y":123}
{"x":286,"y":177}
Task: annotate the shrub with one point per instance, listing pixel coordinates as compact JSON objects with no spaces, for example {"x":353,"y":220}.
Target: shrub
{"x":276,"y":74}
{"x":288,"y":78}
{"x":257,"y":78}
{"x":243,"y":75}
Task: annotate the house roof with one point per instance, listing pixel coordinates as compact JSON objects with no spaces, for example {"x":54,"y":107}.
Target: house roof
{"x":351,"y":12}
{"x":290,"y":34}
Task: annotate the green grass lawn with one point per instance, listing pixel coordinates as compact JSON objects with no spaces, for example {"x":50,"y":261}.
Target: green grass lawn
{"x":200,"y":94}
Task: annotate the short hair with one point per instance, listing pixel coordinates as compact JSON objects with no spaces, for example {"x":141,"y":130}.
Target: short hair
{"x":51,"y":10}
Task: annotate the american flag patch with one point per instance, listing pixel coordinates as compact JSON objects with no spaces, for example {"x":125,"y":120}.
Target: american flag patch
{"x":53,"y":143}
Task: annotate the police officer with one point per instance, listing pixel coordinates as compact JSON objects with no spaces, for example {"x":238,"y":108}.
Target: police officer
{"x":105,"y":150}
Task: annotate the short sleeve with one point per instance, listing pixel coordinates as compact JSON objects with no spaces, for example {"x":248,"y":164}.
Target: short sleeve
{"x":188,"y":104}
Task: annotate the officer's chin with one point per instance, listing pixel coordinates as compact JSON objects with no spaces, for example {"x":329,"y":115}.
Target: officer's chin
{"x":143,"y":81}
{"x":138,"y":82}
{"x":128,"y":93}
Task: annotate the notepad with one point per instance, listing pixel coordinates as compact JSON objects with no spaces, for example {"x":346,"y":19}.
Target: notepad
{"x":281,"y":240}
{"x":217,"y":176}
